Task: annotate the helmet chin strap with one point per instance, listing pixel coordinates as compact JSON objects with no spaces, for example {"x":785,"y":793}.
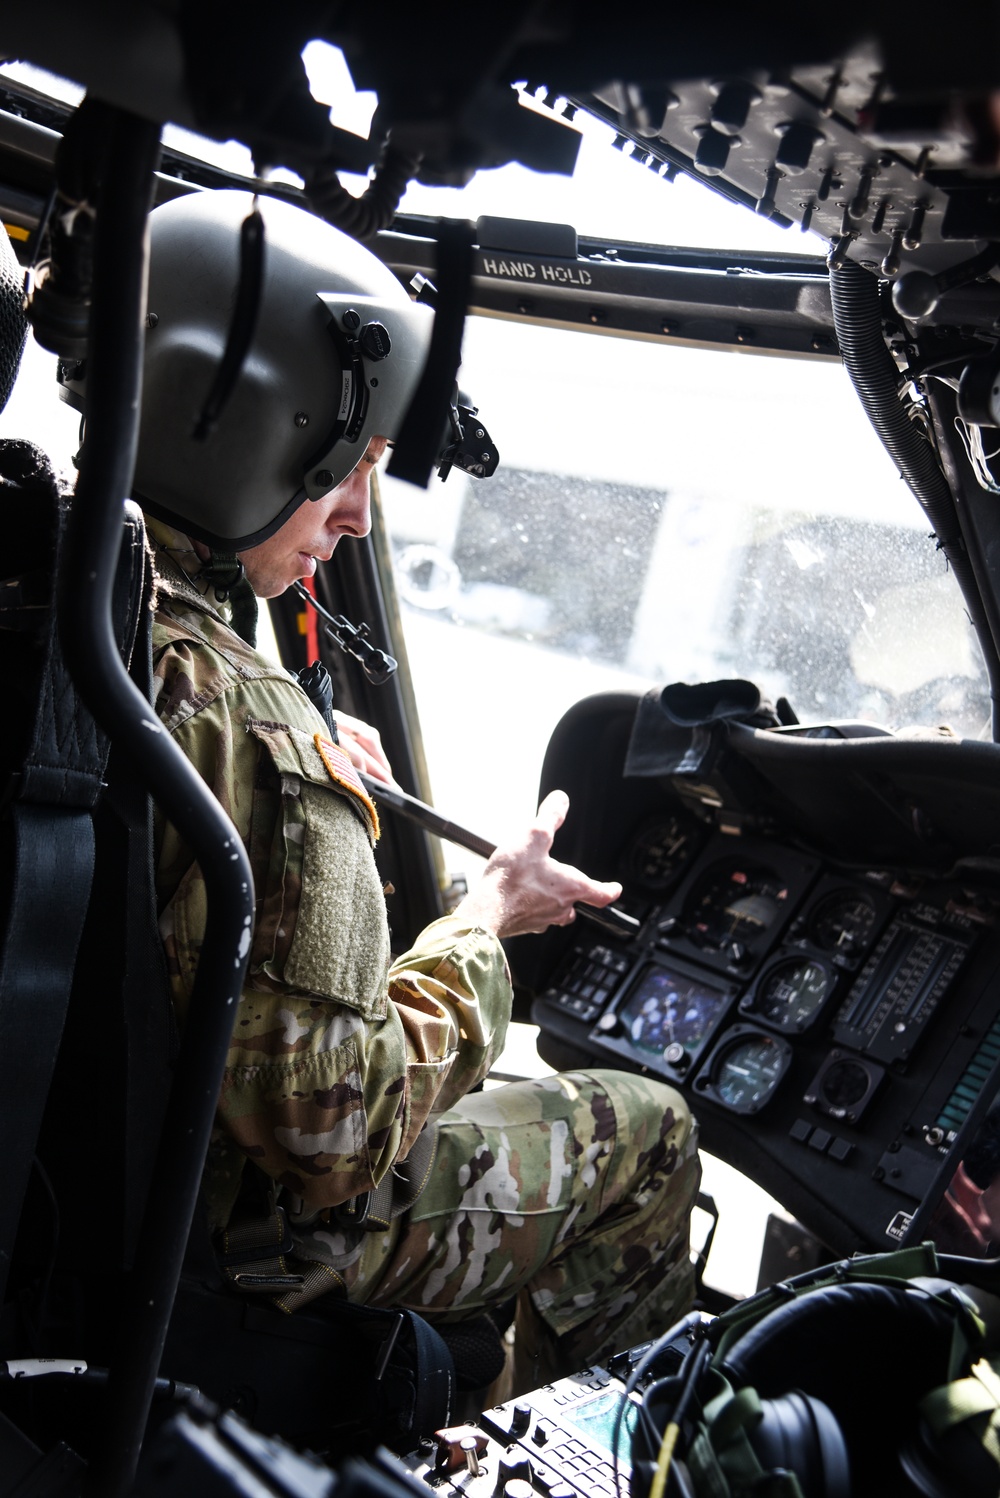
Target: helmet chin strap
{"x":226,"y":575}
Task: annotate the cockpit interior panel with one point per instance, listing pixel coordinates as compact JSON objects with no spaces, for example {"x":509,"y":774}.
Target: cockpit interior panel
{"x":833,"y":1020}
{"x":810,"y":949}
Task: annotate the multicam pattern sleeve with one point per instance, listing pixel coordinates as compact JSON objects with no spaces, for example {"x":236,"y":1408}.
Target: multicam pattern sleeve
{"x":337,"y":1059}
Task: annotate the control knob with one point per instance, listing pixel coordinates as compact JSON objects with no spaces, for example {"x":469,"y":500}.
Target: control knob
{"x":521,"y":1419}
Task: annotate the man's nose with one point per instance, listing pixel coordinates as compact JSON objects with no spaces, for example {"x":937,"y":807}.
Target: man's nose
{"x":353,"y":512}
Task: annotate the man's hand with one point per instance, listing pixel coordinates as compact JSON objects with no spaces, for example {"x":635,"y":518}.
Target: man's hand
{"x":361,"y":743}
{"x":523,"y":889}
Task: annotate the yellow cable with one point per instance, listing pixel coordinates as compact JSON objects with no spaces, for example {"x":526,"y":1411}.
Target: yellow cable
{"x":666,"y":1452}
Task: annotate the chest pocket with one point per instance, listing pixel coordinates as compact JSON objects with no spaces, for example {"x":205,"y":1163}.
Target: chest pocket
{"x":321,"y":924}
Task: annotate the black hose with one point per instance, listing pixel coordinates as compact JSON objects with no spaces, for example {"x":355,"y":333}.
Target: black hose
{"x":84,"y":600}
{"x":857,"y":318}
{"x":375,"y":209}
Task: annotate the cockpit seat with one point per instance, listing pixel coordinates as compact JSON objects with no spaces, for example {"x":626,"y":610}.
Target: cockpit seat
{"x":86,"y":1025}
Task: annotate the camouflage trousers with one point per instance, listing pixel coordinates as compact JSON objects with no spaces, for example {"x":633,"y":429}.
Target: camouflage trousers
{"x":573,"y":1194}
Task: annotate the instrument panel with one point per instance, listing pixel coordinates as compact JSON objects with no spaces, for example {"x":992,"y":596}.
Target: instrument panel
{"x":834,"y":1026}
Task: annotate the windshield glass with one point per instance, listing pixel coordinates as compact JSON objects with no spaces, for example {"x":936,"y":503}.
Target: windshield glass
{"x":667,"y":514}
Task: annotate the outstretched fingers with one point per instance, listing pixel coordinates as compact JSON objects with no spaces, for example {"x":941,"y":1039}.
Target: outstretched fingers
{"x":551,"y":814}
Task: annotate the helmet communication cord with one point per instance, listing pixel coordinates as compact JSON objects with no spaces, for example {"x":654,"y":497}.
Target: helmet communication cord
{"x":225,"y":573}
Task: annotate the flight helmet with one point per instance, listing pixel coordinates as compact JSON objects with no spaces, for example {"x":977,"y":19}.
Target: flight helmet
{"x":336,"y":354}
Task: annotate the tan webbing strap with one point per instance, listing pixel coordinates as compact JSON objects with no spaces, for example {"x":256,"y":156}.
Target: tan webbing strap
{"x":317,"y":1280}
{"x":253,"y":1251}
{"x":397,"y":1191}
{"x":975,"y":1399}
{"x":258,"y":1254}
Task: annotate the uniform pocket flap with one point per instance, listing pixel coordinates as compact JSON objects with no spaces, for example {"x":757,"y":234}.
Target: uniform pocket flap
{"x":291,"y":749}
{"x":332,"y":939}
{"x":316,"y":758}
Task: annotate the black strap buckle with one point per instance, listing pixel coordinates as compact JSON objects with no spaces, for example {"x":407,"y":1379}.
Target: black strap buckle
{"x":360,"y":1213}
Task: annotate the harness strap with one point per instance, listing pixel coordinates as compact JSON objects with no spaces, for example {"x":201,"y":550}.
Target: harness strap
{"x":50,"y":842}
{"x":974,"y":1399}
{"x":253,"y":1254}
{"x":397,"y":1191}
{"x":53,"y":858}
{"x":257,"y":1254}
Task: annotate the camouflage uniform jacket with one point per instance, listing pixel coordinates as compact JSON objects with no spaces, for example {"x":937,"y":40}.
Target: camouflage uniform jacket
{"x":338,"y":1059}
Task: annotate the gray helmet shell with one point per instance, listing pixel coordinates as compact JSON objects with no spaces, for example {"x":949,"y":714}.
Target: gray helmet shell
{"x":313,"y":390}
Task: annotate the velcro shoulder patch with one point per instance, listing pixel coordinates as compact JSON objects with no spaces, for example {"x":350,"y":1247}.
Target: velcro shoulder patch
{"x":343,"y":774}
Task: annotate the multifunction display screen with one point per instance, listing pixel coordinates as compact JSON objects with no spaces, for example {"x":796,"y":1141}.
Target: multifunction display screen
{"x":668,"y":1009}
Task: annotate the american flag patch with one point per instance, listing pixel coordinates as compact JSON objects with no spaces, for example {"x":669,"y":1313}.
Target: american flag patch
{"x":343,"y":774}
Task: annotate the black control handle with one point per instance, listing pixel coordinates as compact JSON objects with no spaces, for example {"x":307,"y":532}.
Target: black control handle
{"x":609,"y":917}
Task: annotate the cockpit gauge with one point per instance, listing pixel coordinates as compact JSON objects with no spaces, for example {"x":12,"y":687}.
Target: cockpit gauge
{"x":667,"y":1012}
{"x":842,"y":923}
{"x":733,"y":905}
{"x":844,"y":1086}
{"x":665,"y":1018}
{"x":744,"y":1070}
{"x":659,"y":851}
{"x":790,"y":993}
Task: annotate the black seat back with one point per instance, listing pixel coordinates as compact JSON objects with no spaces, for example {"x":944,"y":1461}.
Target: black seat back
{"x":80,"y":951}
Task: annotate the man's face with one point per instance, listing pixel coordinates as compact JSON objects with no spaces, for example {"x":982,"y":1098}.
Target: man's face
{"x":311,"y":534}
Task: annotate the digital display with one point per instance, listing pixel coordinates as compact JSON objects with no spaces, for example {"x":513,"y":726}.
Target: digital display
{"x":595,"y":1418}
{"x":667,"y":1009}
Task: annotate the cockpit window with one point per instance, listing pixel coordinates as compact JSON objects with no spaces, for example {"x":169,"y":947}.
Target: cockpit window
{"x":669,"y":514}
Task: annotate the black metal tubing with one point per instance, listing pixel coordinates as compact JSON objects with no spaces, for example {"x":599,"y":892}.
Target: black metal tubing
{"x":857,"y":316}
{"x":94,"y":538}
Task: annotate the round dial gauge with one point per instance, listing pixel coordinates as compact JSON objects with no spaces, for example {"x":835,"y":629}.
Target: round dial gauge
{"x":845,"y":1084}
{"x":843,"y":922}
{"x":792,"y":993}
{"x":734,"y":904}
{"x":658,"y":852}
{"x":745,"y":1070}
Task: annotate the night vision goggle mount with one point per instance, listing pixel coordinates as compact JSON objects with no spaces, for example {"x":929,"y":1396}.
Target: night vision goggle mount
{"x":468,"y":445}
